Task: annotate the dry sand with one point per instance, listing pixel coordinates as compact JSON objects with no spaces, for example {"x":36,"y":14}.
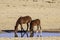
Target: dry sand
{"x":47,"y":11}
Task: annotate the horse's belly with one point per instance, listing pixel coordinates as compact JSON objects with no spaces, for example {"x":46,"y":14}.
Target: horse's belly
{"x":24,"y":26}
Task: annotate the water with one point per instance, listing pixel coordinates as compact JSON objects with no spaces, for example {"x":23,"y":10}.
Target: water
{"x":44,"y":34}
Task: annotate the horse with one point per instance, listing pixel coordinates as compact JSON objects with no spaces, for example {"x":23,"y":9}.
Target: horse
{"x":33,"y":23}
{"x":22,"y":20}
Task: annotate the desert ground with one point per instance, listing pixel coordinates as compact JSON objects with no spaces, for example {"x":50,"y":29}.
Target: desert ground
{"x":48,"y":11}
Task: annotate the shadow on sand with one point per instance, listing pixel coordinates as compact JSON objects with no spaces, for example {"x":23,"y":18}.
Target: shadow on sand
{"x":9,"y":31}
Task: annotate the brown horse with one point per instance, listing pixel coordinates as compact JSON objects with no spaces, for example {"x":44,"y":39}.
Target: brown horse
{"x":22,"y":20}
{"x":35,"y":23}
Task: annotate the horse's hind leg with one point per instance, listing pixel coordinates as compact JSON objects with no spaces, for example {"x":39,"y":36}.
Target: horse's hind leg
{"x":21,"y":30}
{"x":40,"y":31}
{"x":37,"y":30}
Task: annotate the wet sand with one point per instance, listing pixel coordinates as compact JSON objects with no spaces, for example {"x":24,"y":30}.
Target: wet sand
{"x":41,"y":38}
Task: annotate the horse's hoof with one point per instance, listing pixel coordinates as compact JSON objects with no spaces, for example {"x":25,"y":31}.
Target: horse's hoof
{"x":37,"y":35}
{"x":40,"y":36}
{"x":16,"y":36}
{"x":21,"y":36}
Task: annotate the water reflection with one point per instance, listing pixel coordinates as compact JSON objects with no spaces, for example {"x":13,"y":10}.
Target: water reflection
{"x":22,"y":33}
{"x":28,"y":34}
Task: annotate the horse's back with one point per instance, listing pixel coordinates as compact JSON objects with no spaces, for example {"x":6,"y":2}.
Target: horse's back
{"x":35,"y":22}
{"x":25,"y":19}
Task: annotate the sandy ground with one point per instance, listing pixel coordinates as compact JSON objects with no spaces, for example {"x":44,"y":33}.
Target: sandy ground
{"x":41,"y":38}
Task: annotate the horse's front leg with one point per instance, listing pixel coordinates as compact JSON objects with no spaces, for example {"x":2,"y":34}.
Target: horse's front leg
{"x":16,"y":29}
{"x":27,"y":26}
{"x":31,"y":32}
{"x":16,"y":35}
